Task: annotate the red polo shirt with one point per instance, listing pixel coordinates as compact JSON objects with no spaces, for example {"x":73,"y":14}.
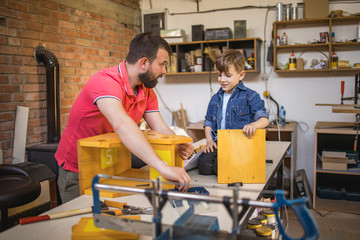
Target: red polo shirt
{"x":85,"y":119}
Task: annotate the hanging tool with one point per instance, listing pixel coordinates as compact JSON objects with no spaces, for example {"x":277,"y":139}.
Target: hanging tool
{"x":158,"y":197}
{"x":58,"y":215}
{"x":356,"y":91}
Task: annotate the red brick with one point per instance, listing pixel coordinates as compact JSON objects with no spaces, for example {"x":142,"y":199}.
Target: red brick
{"x":96,"y":17}
{"x":67,"y":102}
{"x":92,"y":23}
{"x":8,"y":106}
{"x":9,"y":49}
{"x":51,"y":29}
{"x":16,"y":60}
{"x":3,"y":40}
{"x":65,"y":24}
{"x":17,"y":97}
{"x":9,"y":69}
{"x":18,"y":6}
{"x":105,"y":26}
{"x":85,"y":35}
{"x":84,"y":57}
{"x":90,"y":51}
{"x":71,"y":94}
{"x":29,"y":60}
{"x":60,"y":16}
{"x":30,"y":43}
{"x":97,"y":44}
{"x":32,"y":105}
{"x":5,"y":136}
{"x":34,"y":139}
{"x":4,"y":59}
{"x":6,"y":126}
{"x":28,"y":16}
{"x":48,"y":4}
{"x":13,"y":23}
{"x":67,"y":40}
{"x":67,"y":55}
{"x":34,"y":79}
{"x":8,"y":31}
{"x":81,"y":13}
{"x":5,"y":97}
{"x":34,"y":96}
{"x":112,"y":40}
{"x":31,"y":26}
{"x":87,"y":65}
{"x":49,"y":37}
{"x":29,"y":34}
{"x":49,"y":21}
{"x":111,"y":21}
{"x":9,"y":88}
{"x":28,"y":69}
{"x":73,"y":64}
{"x":34,"y":122}
{"x":6,"y":12}
{"x":72,"y":79}
{"x":83,"y":28}
{"x":6,"y":116}
{"x":82,"y":71}
{"x":14,"y":41}
{"x":70,"y":33}
{"x":32,"y":88}
{"x":26,"y":51}
{"x":39,"y":10}
{"x":67,"y":71}
{"x":16,"y":79}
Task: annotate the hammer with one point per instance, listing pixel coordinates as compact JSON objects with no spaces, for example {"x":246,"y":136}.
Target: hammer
{"x":64,"y":214}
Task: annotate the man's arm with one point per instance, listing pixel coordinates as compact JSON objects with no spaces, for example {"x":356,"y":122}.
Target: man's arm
{"x":156,"y":122}
{"x":134,"y":140}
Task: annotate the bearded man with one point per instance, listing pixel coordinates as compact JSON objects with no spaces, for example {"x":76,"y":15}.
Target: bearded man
{"x":114,"y":100}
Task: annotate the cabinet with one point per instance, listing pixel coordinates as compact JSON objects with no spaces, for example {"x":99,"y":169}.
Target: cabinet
{"x":338,"y":185}
{"x":345,"y":29}
{"x":249,"y":45}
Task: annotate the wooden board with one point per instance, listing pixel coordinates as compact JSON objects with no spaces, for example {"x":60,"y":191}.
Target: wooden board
{"x":241,"y":159}
{"x":86,"y":230}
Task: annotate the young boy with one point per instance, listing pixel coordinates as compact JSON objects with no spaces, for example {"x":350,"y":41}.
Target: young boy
{"x":234,"y":106}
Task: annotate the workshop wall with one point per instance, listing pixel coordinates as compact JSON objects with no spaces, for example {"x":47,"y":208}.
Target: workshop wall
{"x":85,"y":35}
{"x":298,"y":93}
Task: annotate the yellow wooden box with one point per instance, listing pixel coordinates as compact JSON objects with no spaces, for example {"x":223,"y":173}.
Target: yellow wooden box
{"x":107,"y":155}
{"x":241,"y":159}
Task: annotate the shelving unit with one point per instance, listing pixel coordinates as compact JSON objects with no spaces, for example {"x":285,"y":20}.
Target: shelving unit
{"x":321,"y":25}
{"x":247,"y":44}
{"x":338,"y":136}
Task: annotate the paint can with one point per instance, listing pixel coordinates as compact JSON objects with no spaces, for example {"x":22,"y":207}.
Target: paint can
{"x":287,"y":12}
{"x":279,"y":11}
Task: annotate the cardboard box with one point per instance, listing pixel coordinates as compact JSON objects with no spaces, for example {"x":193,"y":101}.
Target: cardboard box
{"x":334,"y":160}
{"x":316,"y":8}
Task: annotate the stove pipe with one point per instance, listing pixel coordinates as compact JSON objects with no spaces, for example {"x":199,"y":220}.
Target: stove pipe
{"x":42,"y":55}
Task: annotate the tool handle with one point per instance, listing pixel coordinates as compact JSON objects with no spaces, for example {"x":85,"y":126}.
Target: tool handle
{"x":342,"y":87}
{"x":28,"y":220}
{"x":302,"y":213}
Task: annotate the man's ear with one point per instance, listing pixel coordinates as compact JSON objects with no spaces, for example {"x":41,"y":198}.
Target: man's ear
{"x":144,"y":64}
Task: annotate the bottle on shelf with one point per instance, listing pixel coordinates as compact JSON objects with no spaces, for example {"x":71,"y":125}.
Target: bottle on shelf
{"x":278,"y":41}
{"x":292,"y":61}
{"x":334,"y":60}
{"x":284,"y":39}
{"x":282,"y":116}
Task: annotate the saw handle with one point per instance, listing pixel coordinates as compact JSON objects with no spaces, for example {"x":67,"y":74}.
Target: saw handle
{"x":302,"y":213}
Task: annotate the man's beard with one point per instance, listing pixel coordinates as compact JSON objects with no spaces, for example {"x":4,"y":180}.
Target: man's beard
{"x":148,"y":79}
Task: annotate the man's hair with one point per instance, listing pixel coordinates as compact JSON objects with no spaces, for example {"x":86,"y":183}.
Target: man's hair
{"x":228,"y":58}
{"x":146,"y":45}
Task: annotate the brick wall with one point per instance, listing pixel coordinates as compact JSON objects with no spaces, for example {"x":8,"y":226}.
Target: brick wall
{"x":83,"y":41}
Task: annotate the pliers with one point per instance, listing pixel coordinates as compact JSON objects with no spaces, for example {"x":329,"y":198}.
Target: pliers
{"x":125,"y":209}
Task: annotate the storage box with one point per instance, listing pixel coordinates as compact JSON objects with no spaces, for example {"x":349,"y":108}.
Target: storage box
{"x":316,"y":8}
{"x":334,"y":160}
{"x":330,"y":192}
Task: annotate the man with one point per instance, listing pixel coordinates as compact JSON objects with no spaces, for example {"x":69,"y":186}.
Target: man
{"x":114,"y":100}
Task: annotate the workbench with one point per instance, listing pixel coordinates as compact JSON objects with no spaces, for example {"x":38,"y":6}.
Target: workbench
{"x":61,"y":229}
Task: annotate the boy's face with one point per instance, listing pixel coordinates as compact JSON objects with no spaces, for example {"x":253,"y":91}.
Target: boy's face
{"x":229,"y":80}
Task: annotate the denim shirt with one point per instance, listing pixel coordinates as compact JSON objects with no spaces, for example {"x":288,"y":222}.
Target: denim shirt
{"x":245,"y":106}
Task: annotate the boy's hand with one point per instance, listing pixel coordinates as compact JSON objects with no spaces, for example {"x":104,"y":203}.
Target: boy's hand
{"x":249,"y":130}
{"x":210,"y":145}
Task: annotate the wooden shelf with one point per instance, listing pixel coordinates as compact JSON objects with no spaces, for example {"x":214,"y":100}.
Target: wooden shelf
{"x":337,"y":205}
{"x":327,"y":47}
{"x":247,"y":44}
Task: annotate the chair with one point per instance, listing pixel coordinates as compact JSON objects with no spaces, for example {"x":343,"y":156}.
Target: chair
{"x":16,"y":189}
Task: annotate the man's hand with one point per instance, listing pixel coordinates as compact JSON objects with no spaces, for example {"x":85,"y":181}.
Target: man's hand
{"x":176,"y":174}
{"x":185,"y":150}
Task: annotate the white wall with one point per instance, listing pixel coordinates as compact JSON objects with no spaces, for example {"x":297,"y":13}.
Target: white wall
{"x":297,"y":92}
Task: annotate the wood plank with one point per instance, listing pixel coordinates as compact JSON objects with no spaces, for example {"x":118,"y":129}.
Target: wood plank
{"x":241,"y":159}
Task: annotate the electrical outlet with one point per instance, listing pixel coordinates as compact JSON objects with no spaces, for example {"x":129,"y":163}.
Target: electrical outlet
{"x":264,"y":76}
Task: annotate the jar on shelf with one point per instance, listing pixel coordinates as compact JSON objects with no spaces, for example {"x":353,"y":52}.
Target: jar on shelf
{"x":334,"y":60}
{"x":284,"y":39}
{"x":292,"y":61}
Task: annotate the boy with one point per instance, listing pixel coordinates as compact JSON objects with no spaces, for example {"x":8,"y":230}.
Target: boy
{"x":234,"y":106}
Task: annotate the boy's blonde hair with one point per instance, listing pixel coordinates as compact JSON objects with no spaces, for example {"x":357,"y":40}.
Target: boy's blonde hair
{"x":230,"y":57}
